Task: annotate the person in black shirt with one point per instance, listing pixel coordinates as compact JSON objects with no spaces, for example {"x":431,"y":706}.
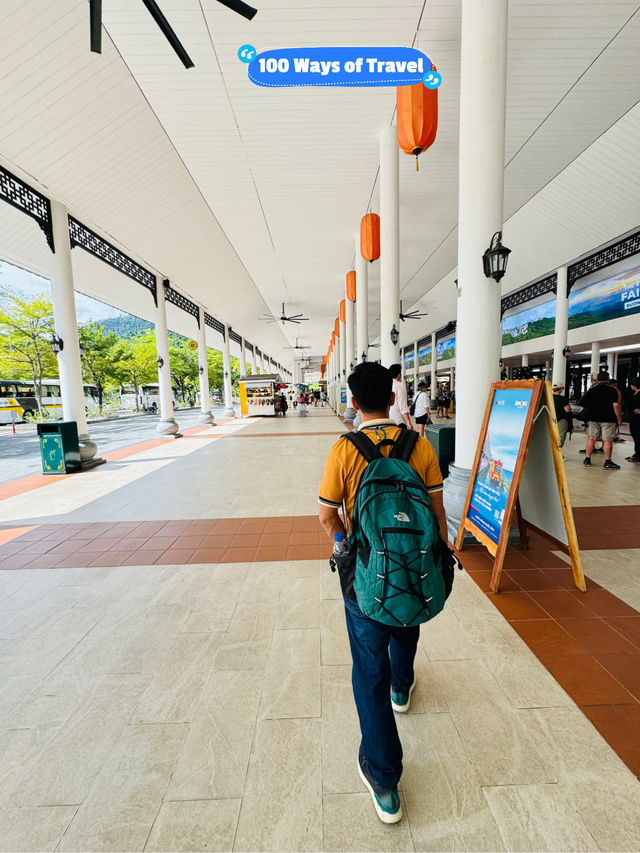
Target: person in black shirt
{"x":605,"y":416}
{"x":563,"y":412}
{"x":634,"y":420}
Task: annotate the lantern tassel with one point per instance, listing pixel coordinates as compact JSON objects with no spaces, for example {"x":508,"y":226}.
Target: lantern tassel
{"x":417,"y":164}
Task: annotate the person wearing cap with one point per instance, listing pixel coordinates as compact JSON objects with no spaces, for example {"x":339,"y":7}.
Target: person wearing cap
{"x":563,"y":412}
{"x":422,"y":405}
{"x":605,"y":416}
{"x":634,"y":420}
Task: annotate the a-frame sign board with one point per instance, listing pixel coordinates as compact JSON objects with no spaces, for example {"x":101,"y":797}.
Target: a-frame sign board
{"x":519,"y":471}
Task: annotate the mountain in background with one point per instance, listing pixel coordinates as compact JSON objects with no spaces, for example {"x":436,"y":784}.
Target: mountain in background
{"x":126,"y":326}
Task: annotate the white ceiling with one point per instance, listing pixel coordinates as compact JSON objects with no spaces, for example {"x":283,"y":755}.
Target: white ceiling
{"x":247,"y":197}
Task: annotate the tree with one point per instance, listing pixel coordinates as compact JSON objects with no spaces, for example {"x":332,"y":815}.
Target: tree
{"x":25,"y":331}
{"x":184,"y":366}
{"x":102,"y":355}
{"x":138,"y":364}
{"x":216,"y":370}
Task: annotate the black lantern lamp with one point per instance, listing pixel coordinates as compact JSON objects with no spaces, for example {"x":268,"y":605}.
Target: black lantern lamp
{"x":57,"y":344}
{"x":160,"y":361}
{"x":395,"y":335}
{"x":566,"y":351}
{"x":363,"y":357}
{"x":495,"y":258}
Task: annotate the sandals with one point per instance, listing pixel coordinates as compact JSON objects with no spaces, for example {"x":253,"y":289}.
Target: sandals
{"x":632,"y":459}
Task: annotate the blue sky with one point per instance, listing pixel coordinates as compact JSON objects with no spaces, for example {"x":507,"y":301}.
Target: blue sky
{"x":26,"y":284}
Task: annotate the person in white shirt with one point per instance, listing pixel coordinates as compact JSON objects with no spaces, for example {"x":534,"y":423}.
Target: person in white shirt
{"x":422,"y":404}
{"x":399,"y":411}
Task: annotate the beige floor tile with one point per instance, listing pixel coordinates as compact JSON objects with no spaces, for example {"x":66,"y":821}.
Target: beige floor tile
{"x":484,"y":718}
{"x":444,"y":803}
{"x":63,"y":771}
{"x":263,"y":583}
{"x":538,"y":817}
{"x":330,"y":586}
{"x":445,"y":638}
{"x":119,"y":812}
{"x":427,"y":697}
{"x":299,"y":604}
{"x":282,"y":801}
{"x":214,"y":760}
{"x":340,"y":732}
{"x":194,"y":825}
{"x":351,"y":823}
{"x":292,"y":676}
{"x":247,"y":642}
{"x":333,"y":634}
{"x":17,"y":746}
{"x":52,"y":702}
{"x":174,"y":693}
{"x":14,"y":691}
{"x":33,"y":829}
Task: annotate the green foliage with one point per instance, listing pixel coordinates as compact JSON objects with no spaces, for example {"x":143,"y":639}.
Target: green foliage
{"x":535,"y":329}
{"x":127,"y":326}
{"x":26,"y":327}
{"x":138,"y":365}
{"x":102,"y":358}
{"x":185,"y":374}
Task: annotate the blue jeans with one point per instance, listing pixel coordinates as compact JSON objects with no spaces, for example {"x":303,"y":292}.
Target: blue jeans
{"x":382,"y":656}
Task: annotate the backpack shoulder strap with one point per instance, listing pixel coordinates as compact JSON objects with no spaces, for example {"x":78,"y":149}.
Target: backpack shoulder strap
{"x":404,"y":445}
{"x":363,"y":444}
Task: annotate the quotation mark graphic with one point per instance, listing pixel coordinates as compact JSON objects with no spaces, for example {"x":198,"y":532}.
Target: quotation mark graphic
{"x":432,"y":80}
{"x":247,"y":53}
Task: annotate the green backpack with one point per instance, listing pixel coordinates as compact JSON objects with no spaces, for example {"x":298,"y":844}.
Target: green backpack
{"x":403,"y":567}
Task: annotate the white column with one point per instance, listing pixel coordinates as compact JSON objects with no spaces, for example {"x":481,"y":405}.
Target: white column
{"x":525,"y":360}
{"x":611,"y":364}
{"x":344,"y":365}
{"x":66,"y":327}
{"x":253,"y":360}
{"x":243,"y":358}
{"x":615,"y":365}
{"x":167,"y":424}
{"x":547,"y":370}
{"x":595,"y":359}
{"x":561,"y":330}
{"x":338,"y":353}
{"x":483,"y":52}
{"x":452,"y":380}
{"x":350,"y":356}
{"x":203,"y":366}
{"x":362,"y":304}
{"x":389,"y":252}
{"x":434,"y":367}
{"x":226,"y":367}
{"x":416,"y":368}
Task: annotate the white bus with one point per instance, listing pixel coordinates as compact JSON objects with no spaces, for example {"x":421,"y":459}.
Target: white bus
{"x":18,"y":399}
{"x":145,"y":397}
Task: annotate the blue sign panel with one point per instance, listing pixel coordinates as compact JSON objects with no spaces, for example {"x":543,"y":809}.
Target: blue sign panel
{"x":408,"y":359}
{"x":605,"y":300}
{"x":424,"y":355}
{"x":446,"y":349}
{"x":499,"y":455}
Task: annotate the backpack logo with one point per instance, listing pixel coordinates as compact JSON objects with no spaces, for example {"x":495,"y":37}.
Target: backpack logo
{"x":402,"y":516}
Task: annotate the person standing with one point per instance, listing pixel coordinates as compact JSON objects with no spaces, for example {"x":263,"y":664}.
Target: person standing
{"x":605,"y":416}
{"x":399,"y":410}
{"x":563,"y":412}
{"x":422,"y":406}
{"x":383,"y":674}
{"x":634,"y":420}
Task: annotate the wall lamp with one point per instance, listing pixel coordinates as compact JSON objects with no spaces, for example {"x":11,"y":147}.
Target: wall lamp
{"x":160,"y":361}
{"x":57,"y":344}
{"x":566,"y":351}
{"x":495,"y":258}
{"x":394,"y":335}
{"x":201,"y":370}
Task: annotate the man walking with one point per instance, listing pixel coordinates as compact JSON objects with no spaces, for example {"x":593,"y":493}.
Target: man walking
{"x":399,"y":411}
{"x":605,"y":416}
{"x":383,"y":656}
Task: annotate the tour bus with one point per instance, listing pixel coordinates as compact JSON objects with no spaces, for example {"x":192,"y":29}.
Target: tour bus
{"x":145,"y":397}
{"x":18,"y":399}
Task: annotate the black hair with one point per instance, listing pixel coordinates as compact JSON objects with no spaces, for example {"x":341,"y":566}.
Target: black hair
{"x":394,"y":370}
{"x":603,"y":376}
{"x":370,"y":384}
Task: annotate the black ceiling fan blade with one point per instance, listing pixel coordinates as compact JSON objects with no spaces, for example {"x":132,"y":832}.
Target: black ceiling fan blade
{"x":95,"y":25}
{"x":169,"y":34}
{"x":241,"y":8}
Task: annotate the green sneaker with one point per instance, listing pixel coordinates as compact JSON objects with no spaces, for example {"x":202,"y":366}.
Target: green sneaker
{"x":400,"y":700}
{"x":386,"y":801}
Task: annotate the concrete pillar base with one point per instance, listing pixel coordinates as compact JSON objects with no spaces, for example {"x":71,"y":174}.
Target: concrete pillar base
{"x":349,"y":415}
{"x":229,"y":413}
{"x":207,"y":418}
{"x":167,"y":426}
{"x":88,"y":448}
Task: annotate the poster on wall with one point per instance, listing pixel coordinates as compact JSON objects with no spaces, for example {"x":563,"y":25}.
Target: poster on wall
{"x":609,"y":299}
{"x":408,"y":359}
{"x":500,"y":451}
{"x":424,"y":355}
{"x":446,"y":349}
{"x":534,"y":321}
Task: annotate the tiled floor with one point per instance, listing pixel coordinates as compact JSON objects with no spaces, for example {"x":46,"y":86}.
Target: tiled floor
{"x":175,"y":668}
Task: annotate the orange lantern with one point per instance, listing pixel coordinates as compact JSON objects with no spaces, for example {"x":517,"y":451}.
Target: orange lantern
{"x":336,"y":330}
{"x":351,"y":286}
{"x":370,"y":236}
{"x":417,"y":110}
{"x":343,"y":311}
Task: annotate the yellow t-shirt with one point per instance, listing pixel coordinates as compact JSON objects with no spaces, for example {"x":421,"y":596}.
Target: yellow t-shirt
{"x":345,"y":465}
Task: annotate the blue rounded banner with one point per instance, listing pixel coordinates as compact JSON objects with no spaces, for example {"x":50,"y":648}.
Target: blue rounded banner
{"x":339,"y":66}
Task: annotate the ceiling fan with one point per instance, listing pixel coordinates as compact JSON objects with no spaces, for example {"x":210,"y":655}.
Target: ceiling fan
{"x":294,"y":318}
{"x":297,"y":346}
{"x":95,"y":24}
{"x":411,"y":315}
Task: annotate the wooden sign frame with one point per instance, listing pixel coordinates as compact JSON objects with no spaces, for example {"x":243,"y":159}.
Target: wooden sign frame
{"x":540,"y":394}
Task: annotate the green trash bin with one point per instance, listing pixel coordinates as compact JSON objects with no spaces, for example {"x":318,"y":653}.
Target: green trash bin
{"x":443,"y":440}
{"x":59,"y":447}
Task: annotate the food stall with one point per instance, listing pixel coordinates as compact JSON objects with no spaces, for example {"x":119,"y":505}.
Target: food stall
{"x":258,"y":393}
